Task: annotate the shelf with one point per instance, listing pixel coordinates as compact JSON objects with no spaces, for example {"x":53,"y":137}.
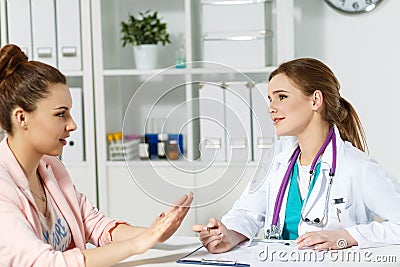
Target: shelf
{"x":244,"y":70}
{"x":133,"y":72}
{"x":174,"y":71}
{"x":72,"y":73}
{"x":166,"y":163}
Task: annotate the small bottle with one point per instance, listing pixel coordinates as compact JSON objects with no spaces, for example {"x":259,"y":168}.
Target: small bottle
{"x":180,"y":61}
{"x":144,"y":152}
{"x":173,"y":150}
{"x":117,"y":137}
{"x":162,"y":145}
{"x":110,"y":139}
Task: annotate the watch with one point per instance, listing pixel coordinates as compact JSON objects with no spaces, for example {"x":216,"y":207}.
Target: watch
{"x":354,"y":6}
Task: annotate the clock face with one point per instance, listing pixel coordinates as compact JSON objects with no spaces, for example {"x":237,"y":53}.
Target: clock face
{"x":354,"y":6}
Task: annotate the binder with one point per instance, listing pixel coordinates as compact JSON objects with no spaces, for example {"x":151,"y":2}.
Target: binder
{"x":238,"y":122}
{"x":263,"y":128}
{"x":44,"y":31}
{"x":212,"y":123}
{"x":19,"y":25}
{"x":68,"y":35}
{"x":202,"y":257}
{"x":74,"y":150}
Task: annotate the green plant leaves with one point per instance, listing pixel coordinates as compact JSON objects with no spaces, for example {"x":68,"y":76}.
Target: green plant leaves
{"x":147,"y":29}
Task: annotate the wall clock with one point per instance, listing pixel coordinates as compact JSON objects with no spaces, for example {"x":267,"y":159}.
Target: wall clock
{"x":354,"y":6}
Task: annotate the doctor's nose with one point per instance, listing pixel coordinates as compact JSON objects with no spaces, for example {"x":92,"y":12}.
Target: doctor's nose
{"x":272,"y":108}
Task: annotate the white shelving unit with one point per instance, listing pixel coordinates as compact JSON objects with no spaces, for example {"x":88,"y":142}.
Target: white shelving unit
{"x":117,"y":82}
{"x":82,"y":173}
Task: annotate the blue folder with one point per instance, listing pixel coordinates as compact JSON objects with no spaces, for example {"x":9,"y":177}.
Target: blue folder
{"x":209,"y":261}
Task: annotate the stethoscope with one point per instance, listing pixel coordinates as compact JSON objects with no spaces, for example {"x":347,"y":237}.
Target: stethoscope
{"x":274,"y":231}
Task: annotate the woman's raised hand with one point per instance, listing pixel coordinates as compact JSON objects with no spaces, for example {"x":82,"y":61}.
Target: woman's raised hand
{"x":170,"y":220}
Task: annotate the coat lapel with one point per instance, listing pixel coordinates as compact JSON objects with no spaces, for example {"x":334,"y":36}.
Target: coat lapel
{"x":276,"y":178}
{"x":315,"y":206}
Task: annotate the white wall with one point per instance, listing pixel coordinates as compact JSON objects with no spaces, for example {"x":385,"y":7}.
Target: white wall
{"x":364,"y":52}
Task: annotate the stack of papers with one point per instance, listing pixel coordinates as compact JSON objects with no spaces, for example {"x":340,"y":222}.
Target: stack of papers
{"x":238,"y":256}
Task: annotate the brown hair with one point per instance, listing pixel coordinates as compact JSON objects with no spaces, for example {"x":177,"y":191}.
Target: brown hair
{"x":308,"y":75}
{"x":23,"y":83}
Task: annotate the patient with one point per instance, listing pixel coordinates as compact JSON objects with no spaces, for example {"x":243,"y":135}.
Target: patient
{"x":46,"y":221}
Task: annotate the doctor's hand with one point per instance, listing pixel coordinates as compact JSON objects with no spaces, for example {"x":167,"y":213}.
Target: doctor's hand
{"x":216,"y":238}
{"x":175,"y":214}
{"x":326,"y":240}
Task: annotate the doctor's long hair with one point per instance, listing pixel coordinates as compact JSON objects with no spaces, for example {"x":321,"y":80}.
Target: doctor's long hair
{"x":308,"y":75}
{"x":23,"y":83}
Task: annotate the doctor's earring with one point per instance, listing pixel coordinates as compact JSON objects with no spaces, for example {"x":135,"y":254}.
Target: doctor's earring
{"x":25,"y":127}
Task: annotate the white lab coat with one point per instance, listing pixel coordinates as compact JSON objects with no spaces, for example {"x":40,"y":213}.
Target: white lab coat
{"x":365,"y":188}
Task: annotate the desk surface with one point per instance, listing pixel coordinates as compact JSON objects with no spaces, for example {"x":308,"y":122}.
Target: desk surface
{"x":164,"y":254}
{"x":177,"y":247}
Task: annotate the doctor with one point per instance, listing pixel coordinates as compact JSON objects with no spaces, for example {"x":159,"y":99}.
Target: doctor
{"x":322,"y":189}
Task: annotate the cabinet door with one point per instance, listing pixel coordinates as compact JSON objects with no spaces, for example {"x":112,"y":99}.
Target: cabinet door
{"x":217,"y":189}
{"x":140,"y":193}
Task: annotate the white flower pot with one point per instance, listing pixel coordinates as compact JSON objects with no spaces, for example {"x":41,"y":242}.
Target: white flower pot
{"x":146,"y":56}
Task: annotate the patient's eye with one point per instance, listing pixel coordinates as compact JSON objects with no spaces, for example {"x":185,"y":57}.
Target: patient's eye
{"x":281,"y":97}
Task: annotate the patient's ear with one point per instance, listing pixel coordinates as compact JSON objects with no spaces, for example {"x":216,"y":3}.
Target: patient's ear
{"x":19,"y":118}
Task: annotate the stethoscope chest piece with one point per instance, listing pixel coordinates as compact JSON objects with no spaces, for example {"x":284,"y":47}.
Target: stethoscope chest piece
{"x":274,"y":232}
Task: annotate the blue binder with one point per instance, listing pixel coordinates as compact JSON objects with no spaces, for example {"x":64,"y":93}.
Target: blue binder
{"x":209,"y":261}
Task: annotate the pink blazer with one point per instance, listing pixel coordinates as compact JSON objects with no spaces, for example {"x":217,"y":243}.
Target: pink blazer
{"x":21,"y":239}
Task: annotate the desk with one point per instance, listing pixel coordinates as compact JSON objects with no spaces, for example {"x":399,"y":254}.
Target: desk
{"x":177,"y":247}
{"x":165,"y":254}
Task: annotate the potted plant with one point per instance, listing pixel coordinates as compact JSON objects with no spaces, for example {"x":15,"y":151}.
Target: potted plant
{"x":144,"y":33}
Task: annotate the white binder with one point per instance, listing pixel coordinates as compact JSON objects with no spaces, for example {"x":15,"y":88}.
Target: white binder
{"x":238,"y":122}
{"x":19,"y":25}
{"x":212,"y":123}
{"x":68,"y":35}
{"x":74,"y":150}
{"x":44,"y":31}
{"x":263,"y":128}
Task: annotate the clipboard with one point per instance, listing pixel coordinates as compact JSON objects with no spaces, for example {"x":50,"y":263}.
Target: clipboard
{"x":203,"y":257}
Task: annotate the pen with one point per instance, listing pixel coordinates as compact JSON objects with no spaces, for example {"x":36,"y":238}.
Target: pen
{"x":206,"y":228}
{"x":211,"y":228}
{"x":217,"y":261}
{"x":272,"y":242}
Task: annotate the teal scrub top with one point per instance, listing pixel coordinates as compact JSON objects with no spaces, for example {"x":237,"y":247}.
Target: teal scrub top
{"x":295,"y":204}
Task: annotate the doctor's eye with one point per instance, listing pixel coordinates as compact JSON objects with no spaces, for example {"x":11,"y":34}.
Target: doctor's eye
{"x":60,"y":114}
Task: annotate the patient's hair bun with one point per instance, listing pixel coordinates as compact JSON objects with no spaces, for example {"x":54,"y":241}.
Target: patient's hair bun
{"x":10,"y":57}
